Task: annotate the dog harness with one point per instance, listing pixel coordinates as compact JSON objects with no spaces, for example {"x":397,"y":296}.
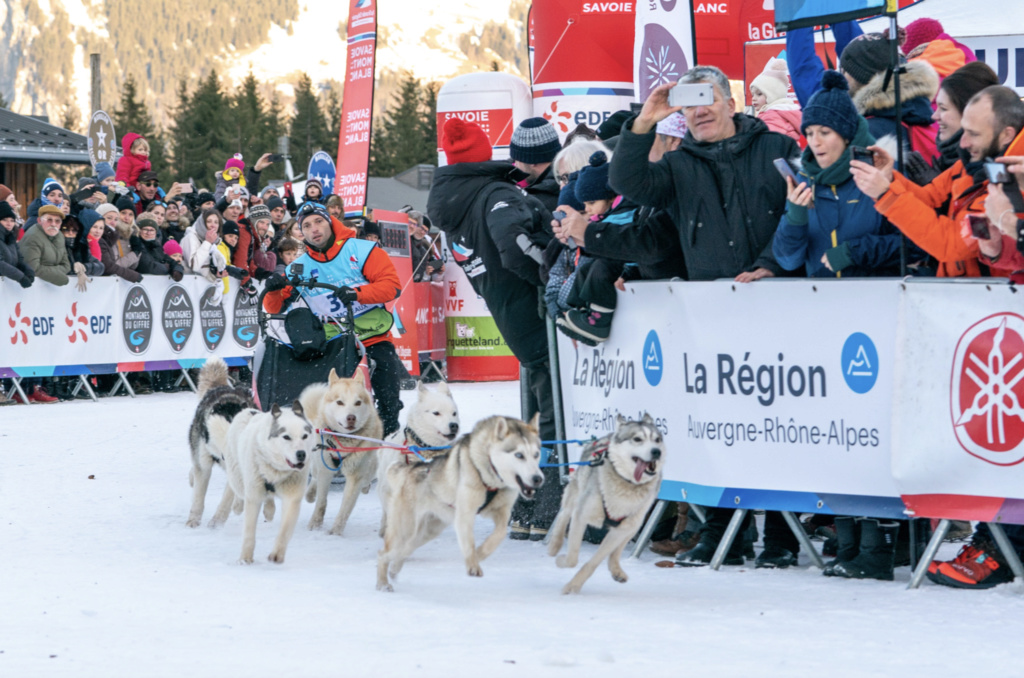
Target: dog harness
{"x":598,"y":457}
{"x":269,"y":486}
{"x":410,"y":436}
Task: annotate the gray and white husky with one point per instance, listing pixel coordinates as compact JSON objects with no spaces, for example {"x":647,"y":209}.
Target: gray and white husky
{"x":483,"y":473}
{"x":614,"y":493}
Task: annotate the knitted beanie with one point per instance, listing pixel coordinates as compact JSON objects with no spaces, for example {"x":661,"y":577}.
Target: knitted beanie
{"x":236,"y":162}
{"x":314,"y":182}
{"x":6,"y":211}
{"x":51,"y":185}
{"x":125,"y":203}
{"x":259,"y":212}
{"x":4,"y":193}
{"x":865,"y":56}
{"x":104,"y":171}
{"x":832,"y":107}
{"x":105,"y":208}
{"x":535,"y":141}
{"x":921,"y":31}
{"x":146,"y":220}
{"x":87,"y":218}
{"x":87,"y":181}
{"x":273,"y":202}
{"x":205,"y":197}
{"x":592,"y":183}
{"x":172,"y":247}
{"x":465,"y":142}
{"x":229,"y":228}
{"x":773,"y":80}
{"x":567,"y":196}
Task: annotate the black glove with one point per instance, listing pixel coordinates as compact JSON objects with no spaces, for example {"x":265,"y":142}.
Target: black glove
{"x":347,"y":295}
{"x":275,"y":282}
{"x":261,"y":273}
{"x":136,"y":244}
{"x":26,"y":281}
{"x":236,"y":272}
{"x":177,"y":272}
{"x":249,"y":287}
{"x":917,"y":169}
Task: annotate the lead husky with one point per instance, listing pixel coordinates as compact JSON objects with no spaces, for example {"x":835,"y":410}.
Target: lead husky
{"x":344,"y":406}
{"x":615,"y":492}
{"x":482,"y":474}
{"x":433,"y":422}
{"x":218,"y":400}
{"x":265,"y":456}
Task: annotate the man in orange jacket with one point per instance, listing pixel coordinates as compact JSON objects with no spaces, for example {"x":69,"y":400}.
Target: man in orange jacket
{"x":991,"y":120}
{"x":367,"y":279}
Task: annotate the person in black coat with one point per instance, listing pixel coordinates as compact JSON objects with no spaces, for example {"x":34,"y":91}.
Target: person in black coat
{"x":497,"y":235}
{"x":152,"y":259}
{"x":533,"y":148}
{"x":12,"y":264}
{"x":76,"y":234}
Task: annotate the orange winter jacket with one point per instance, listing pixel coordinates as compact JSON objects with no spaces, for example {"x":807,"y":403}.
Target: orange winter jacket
{"x":382,"y":284}
{"x":911,"y":208}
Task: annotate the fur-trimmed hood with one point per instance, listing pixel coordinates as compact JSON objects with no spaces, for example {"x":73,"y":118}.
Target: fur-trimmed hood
{"x":919,"y":81}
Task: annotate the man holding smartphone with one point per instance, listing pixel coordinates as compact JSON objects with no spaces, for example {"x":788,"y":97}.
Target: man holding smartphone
{"x":725,"y":198}
{"x":992,"y":119}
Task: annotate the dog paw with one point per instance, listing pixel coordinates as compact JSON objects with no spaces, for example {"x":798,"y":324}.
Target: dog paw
{"x":474,"y":571}
{"x":315,"y":524}
{"x":276,"y":557}
{"x":337,"y":531}
{"x":215,"y":522}
{"x":245,"y":561}
{"x":565,"y":561}
{"x":194,"y":522}
{"x":385,"y":588}
{"x":570,"y":589}
{"x":620,"y":577}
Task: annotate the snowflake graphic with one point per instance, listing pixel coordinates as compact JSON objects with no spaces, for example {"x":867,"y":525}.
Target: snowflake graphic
{"x":660,"y":68}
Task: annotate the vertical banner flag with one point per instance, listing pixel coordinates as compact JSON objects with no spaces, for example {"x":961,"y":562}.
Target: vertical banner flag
{"x":357,"y":107}
{"x":583,"y":61}
{"x":663,"y":46}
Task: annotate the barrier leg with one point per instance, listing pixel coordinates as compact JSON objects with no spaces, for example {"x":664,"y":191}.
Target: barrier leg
{"x":645,"y":533}
{"x":185,"y":376}
{"x":1008,"y":551}
{"x":699,"y":510}
{"x":801,"y":536}
{"x":83,"y":382}
{"x":730,"y":535}
{"x":556,"y":397}
{"x":929,"y":554}
{"x":17,"y":389}
{"x":122,"y":380}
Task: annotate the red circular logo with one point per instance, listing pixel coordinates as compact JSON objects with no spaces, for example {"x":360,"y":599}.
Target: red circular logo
{"x":987,"y":389}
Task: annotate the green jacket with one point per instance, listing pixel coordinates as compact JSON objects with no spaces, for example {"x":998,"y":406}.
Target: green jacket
{"x":47,"y":256}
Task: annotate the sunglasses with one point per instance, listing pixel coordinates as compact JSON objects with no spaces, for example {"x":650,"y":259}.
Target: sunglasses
{"x":68,"y":229}
{"x":150,"y":184}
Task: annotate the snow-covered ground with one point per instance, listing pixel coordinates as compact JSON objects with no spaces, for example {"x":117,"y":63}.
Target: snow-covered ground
{"x":100,"y":577}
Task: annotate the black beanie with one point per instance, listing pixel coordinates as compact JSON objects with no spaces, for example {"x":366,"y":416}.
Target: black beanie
{"x":832,"y":107}
{"x":125,"y":203}
{"x":6,"y":211}
{"x":273,"y":203}
{"x":592,"y":183}
{"x":371,"y":228}
{"x":205,"y":197}
{"x":229,"y":228}
{"x":865,"y":56}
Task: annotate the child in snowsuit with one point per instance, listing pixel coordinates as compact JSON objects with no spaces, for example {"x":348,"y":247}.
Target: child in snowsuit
{"x":135,"y":160}
{"x":233,"y":175}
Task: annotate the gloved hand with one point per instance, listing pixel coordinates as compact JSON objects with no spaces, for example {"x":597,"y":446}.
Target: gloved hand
{"x":261,"y":273}
{"x":177,"y":272}
{"x":136,"y":244}
{"x":249,"y":288}
{"x":347,"y":295}
{"x":26,"y":281}
{"x":917,"y":169}
{"x":83,"y":279}
{"x":275,"y":282}
{"x":236,"y":272}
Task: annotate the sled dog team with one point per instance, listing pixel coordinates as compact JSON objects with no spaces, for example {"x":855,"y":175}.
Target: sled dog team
{"x":279,"y":454}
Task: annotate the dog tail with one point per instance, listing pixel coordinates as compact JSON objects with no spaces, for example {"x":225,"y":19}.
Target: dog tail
{"x":213,"y":374}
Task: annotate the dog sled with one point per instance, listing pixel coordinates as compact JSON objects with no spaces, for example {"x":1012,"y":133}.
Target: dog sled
{"x":296,"y":352}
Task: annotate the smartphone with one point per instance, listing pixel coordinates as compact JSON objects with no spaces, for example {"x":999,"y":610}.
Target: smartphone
{"x":185,"y":188}
{"x":863,"y":154}
{"x":695,"y":94}
{"x":979,"y":226}
{"x":997,"y":173}
{"x":558,"y":215}
{"x":275,"y":157}
{"x":786,"y":170}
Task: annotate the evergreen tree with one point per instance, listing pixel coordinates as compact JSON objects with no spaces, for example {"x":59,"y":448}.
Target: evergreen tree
{"x":308,"y":129}
{"x":332,"y":115}
{"x":133,"y":116}
{"x":428,"y":124}
{"x":274,"y":127}
{"x":202,"y":132}
{"x":407,"y":133}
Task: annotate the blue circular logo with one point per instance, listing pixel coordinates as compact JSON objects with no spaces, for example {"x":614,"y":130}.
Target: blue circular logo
{"x":653,"y":363}
{"x":860,"y":362}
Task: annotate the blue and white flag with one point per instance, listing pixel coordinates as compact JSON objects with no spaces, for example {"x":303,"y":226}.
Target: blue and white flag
{"x":321,"y":167}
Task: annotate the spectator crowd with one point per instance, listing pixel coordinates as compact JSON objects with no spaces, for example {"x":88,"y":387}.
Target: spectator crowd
{"x":864,"y":188}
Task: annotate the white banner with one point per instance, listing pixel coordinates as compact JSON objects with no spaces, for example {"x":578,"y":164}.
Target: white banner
{"x":771,"y":395}
{"x":663,"y":44}
{"x":958,"y":433}
{"x":158,"y":324}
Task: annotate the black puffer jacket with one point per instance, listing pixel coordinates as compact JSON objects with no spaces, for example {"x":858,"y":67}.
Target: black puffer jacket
{"x":12,"y":264}
{"x":153,"y":261}
{"x":483,"y":212}
{"x":545,"y":189}
{"x":725,"y":198}
{"x":651,"y":242}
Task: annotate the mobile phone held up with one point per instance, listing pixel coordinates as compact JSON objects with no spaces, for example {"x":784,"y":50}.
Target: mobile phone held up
{"x":979,"y":226}
{"x":997,"y":173}
{"x":695,"y":94}
{"x":786,"y":170}
{"x":863,"y":154}
{"x":276,"y":157}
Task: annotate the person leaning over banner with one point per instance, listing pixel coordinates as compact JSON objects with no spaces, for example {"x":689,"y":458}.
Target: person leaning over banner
{"x":725,"y":197}
{"x":12,"y":261}
{"x":368,"y":280}
{"x":497,"y":233}
{"x":152,"y":259}
{"x":43,"y":247}
{"x":830,"y":227}
{"x":532,"y":148}
{"x":991,"y":120}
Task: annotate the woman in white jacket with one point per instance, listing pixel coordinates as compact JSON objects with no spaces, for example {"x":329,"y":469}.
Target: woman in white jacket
{"x":199,"y":246}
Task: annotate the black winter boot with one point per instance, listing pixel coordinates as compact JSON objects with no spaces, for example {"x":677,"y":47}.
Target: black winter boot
{"x":877,"y":550}
{"x":848,"y":536}
{"x":704,"y":551}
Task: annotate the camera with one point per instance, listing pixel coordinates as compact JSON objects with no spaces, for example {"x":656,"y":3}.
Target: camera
{"x":863,"y":154}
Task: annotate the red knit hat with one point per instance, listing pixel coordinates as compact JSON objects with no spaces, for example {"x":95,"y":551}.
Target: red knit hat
{"x":919,"y":32}
{"x":465,"y":142}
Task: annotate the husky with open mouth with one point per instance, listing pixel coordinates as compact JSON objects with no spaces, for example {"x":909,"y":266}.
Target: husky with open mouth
{"x":483,"y":473}
{"x":614,"y":492}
